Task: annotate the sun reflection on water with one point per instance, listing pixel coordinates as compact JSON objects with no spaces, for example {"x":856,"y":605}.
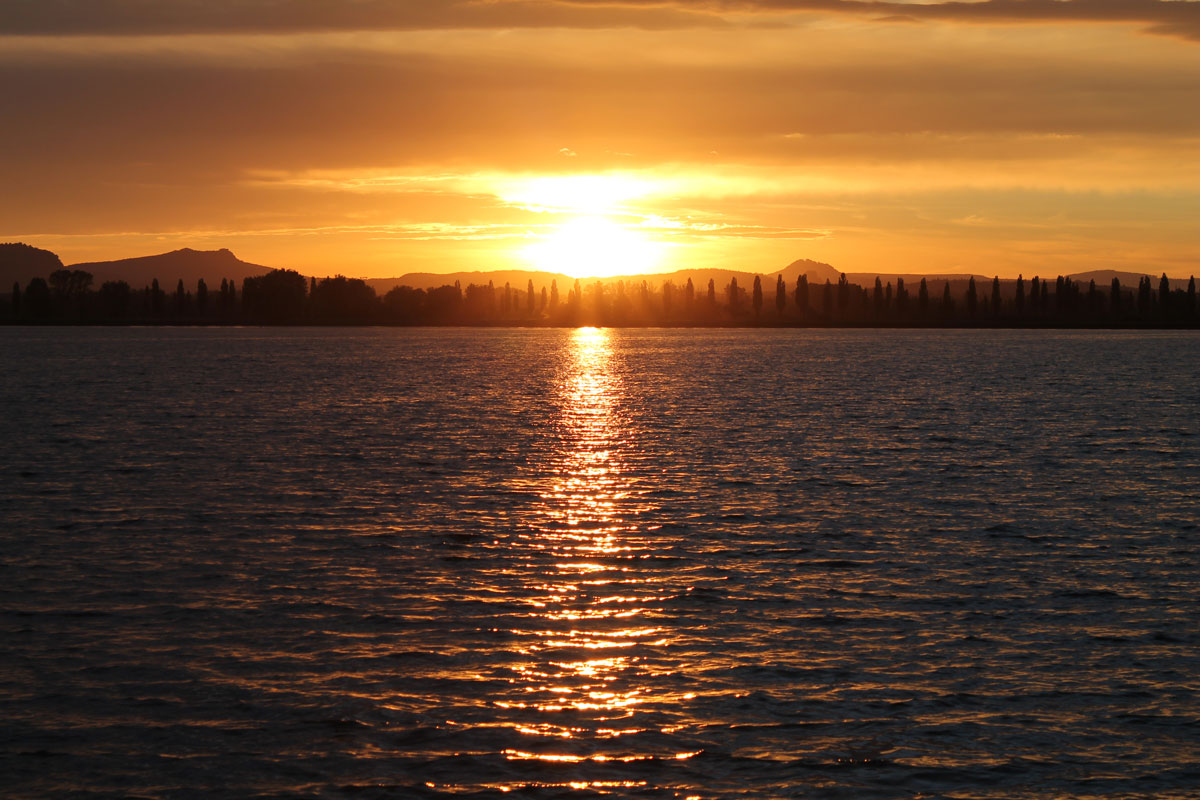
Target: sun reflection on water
{"x":584,"y":679}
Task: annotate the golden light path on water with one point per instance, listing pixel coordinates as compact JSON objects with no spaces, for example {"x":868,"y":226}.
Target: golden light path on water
{"x":585,"y":679}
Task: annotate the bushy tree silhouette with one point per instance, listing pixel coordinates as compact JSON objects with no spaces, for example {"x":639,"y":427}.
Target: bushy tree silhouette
{"x":115,"y":299}
{"x":37,"y":300}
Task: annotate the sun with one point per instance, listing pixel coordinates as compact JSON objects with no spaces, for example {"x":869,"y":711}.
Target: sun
{"x":594,"y":247}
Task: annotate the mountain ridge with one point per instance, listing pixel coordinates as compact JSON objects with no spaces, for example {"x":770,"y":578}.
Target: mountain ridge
{"x":20,"y":262}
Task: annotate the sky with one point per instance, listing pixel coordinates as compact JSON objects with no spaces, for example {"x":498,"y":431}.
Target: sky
{"x":377,"y":137}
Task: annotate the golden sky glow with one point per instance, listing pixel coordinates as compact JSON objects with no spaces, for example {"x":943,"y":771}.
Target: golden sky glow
{"x":376,"y":138}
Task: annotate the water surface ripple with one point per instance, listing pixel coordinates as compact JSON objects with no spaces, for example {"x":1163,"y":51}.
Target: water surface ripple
{"x":599,"y":563}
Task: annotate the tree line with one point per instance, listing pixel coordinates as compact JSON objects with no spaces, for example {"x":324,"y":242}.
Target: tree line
{"x":285,"y":297}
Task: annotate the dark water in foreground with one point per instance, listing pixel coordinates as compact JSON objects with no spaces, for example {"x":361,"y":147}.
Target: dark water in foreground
{"x":707,"y":564}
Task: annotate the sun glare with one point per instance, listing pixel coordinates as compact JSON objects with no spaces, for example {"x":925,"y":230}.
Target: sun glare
{"x":580,"y":194}
{"x":594,"y":247}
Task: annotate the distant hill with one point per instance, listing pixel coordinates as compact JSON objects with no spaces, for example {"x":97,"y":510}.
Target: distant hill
{"x":517,"y":278}
{"x":21,"y":262}
{"x":186,"y":264}
{"x":1104,"y":278}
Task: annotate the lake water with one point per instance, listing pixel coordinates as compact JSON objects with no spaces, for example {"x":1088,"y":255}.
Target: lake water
{"x":599,"y":563}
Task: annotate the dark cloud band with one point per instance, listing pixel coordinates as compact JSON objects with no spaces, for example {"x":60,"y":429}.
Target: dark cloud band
{"x":50,"y":17}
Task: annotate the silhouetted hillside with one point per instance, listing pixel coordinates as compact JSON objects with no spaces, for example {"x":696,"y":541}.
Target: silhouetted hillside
{"x":817,"y":271}
{"x":19,"y":263}
{"x":1104,"y":277}
{"x":518,"y":278}
{"x":187,"y":265}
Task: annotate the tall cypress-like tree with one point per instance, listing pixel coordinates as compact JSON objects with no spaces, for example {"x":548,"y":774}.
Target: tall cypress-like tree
{"x":996,"y":296}
{"x":877,"y":298}
{"x":1114,"y":298}
{"x":1144,"y":299}
{"x":947,"y":302}
{"x":923,"y":301}
{"x":972,"y":297}
{"x":802,"y":295}
{"x":757,"y":296}
{"x":1164,"y":297}
{"x":1019,"y":297}
{"x":780,"y":295}
{"x":1191,"y":296}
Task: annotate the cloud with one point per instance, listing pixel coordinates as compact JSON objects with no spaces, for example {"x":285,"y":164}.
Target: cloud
{"x":147,"y":17}
{"x":1180,"y":18}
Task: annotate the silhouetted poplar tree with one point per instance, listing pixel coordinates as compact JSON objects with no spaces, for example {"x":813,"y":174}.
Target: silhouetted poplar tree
{"x":780,"y":295}
{"x":1143,"y":299}
{"x":1164,"y":297}
{"x":923,"y":300}
{"x":201,"y":296}
{"x":157,"y":298}
{"x":757,"y":297}
{"x":996,"y":296}
{"x":972,"y":297}
{"x":802,"y":295}
{"x":1114,"y":302}
{"x":877,"y":296}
